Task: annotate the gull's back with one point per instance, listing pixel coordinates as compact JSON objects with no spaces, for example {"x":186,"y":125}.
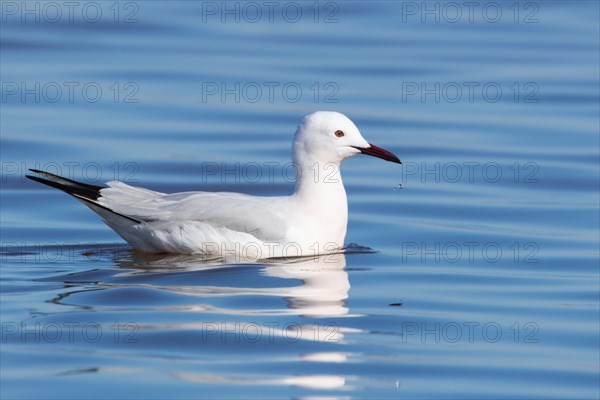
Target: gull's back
{"x":197,"y":222}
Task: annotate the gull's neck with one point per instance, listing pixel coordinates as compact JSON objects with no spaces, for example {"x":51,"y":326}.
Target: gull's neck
{"x":319,"y":185}
{"x":321,"y":200}
{"x":319,"y":194}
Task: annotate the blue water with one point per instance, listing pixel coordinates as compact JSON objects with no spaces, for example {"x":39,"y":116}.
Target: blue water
{"x":473,"y":268}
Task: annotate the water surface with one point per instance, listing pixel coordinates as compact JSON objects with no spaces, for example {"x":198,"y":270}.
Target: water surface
{"x":478,"y":272}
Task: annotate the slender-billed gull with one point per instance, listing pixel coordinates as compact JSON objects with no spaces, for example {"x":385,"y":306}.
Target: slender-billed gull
{"x":219,"y":224}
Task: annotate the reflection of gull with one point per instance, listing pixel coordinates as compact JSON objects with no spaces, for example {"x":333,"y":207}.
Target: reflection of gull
{"x":305,"y":381}
{"x":322,"y":292}
{"x":315,"y":287}
{"x":324,"y":286}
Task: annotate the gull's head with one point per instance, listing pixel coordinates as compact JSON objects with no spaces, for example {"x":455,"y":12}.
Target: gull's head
{"x":329,"y":136}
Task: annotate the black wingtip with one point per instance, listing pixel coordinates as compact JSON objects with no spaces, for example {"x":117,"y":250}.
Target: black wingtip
{"x":35,"y":178}
{"x":57,"y":178}
{"x":85,"y":190}
{"x":82,"y":191}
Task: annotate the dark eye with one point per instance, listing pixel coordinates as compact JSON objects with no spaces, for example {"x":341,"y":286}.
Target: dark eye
{"x":339,"y":133}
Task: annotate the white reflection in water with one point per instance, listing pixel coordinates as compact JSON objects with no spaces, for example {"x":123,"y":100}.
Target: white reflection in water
{"x":322,"y":290}
{"x":305,"y":381}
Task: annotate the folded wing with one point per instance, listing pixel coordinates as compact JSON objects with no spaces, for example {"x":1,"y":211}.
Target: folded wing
{"x":234,"y":211}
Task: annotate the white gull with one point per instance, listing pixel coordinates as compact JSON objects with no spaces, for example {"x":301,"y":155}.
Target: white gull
{"x":311,"y":221}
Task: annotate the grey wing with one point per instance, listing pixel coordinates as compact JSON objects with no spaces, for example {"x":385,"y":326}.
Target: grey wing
{"x":262,"y":217}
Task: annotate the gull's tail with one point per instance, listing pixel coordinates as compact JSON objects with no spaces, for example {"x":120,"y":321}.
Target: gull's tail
{"x":84,"y":192}
{"x":80,"y":190}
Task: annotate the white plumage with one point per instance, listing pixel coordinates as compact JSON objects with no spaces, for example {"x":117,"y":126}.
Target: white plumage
{"x":217,"y":224}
